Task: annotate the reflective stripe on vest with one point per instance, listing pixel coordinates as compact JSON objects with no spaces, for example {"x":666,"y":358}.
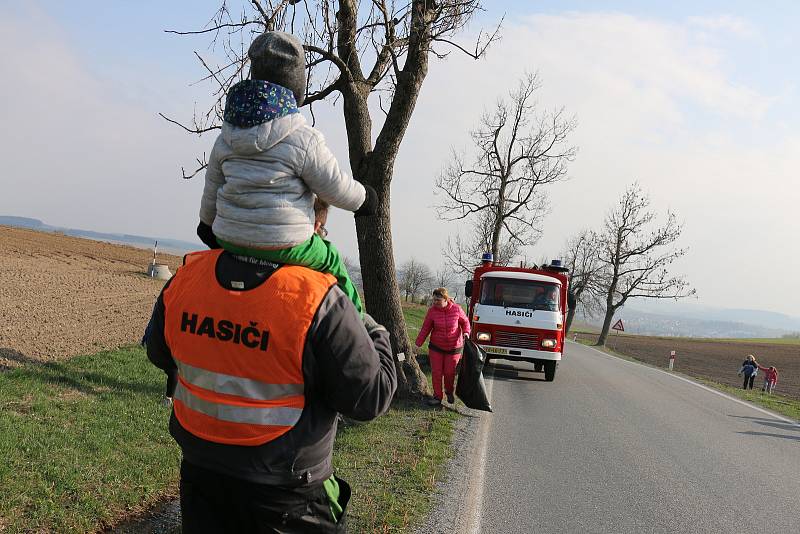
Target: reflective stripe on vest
{"x":235,"y":385}
{"x":240,"y":353}
{"x":253,"y":415}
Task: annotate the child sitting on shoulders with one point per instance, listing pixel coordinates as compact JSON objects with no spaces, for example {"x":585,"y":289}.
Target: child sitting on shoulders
{"x":268,"y":164}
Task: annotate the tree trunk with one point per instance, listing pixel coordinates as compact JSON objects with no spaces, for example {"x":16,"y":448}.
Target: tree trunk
{"x":374,"y":166}
{"x":601,"y":341}
{"x":382,"y":296}
{"x":498,"y":227}
{"x":570,"y":316}
{"x":573,"y":297}
{"x":610,"y":308}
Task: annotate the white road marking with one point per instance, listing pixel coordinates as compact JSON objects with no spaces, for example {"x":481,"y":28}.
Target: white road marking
{"x":688,"y":381}
{"x":474,"y":499}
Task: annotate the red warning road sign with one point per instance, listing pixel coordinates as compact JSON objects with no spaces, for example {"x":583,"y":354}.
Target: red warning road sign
{"x":618,"y":326}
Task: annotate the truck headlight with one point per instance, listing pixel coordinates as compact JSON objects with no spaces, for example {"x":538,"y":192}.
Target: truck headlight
{"x":484,"y":336}
{"x":548,"y":343}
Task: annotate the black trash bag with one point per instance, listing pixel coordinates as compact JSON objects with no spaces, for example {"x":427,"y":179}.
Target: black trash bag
{"x":470,"y":387}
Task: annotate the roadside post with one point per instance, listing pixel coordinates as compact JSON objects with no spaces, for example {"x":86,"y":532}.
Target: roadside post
{"x":153,"y":265}
{"x":671,"y":359}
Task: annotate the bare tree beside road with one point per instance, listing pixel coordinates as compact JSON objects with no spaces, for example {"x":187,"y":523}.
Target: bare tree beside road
{"x":414,"y":277}
{"x":500,"y":187}
{"x":582,"y":258}
{"x":463,"y":254}
{"x":355,"y":51}
{"x":635,"y":253}
{"x":443,"y":277}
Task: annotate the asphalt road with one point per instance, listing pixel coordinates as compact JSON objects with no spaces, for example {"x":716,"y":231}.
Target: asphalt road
{"x":616,"y":447}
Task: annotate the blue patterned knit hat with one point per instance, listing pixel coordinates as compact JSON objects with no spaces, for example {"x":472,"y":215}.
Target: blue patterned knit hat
{"x":253,"y":102}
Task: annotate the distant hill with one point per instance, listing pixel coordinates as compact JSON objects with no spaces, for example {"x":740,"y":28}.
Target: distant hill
{"x":175,"y":246}
{"x":766,"y":319}
{"x":21,"y":222}
{"x":689,"y":312}
{"x":672,"y":325}
{"x":709,"y":322}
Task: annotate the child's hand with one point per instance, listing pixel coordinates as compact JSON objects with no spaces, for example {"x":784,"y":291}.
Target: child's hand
{"x":370,"y":205}
{"x":206,"y":235}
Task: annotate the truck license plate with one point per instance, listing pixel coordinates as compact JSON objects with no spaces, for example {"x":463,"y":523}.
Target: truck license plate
{"x":495,"y":350}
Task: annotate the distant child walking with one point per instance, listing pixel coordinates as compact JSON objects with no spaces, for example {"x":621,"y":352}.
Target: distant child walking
{"x":770,"y":378}
{"x":268,"y":164}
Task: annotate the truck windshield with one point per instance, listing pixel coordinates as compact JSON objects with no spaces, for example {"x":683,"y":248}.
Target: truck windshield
{"x":511,"y":293}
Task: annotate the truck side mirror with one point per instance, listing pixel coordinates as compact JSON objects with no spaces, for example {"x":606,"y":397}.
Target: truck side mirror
{"x":468,"y":289}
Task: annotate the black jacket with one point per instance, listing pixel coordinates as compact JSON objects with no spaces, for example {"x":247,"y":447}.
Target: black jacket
{"x":346,"y":370}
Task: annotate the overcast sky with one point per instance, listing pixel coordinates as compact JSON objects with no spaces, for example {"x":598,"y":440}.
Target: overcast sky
{"x":697,"y":101}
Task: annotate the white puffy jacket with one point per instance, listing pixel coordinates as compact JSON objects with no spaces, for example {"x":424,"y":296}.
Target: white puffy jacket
{"x":261,"y":181}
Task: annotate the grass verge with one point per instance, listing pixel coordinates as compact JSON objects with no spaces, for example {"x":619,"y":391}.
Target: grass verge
{"x":393,"y":464}
{"x":777,"y":403}
{"x":85,"y":444}
{"x":415,"y":315}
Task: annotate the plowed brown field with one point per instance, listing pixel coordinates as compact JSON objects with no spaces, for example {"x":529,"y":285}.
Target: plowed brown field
{"x":715,"y":360}
{"x":61,"y":296}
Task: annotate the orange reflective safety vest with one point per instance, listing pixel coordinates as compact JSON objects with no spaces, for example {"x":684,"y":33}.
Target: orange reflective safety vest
{"x":240,"y":353}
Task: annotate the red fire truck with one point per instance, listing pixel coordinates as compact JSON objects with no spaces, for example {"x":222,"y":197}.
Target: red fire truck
{"x":519,"y":313}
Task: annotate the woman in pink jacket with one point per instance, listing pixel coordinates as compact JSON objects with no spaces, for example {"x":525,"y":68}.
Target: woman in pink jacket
{"x":448,"y":325}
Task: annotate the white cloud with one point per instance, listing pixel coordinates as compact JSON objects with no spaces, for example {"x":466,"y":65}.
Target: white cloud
{"x":645,"y":62}
{"x":728,"y":23}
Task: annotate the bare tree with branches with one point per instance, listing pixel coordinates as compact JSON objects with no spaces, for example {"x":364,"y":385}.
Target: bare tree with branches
{"x":355,"y":49}
{"x":516,"y":153}
{"x":463,"y":254}
{"x":414,"y":276}
{"x":582,"y":258}
{"x":443,"y":277}
{"x":636,"y":254}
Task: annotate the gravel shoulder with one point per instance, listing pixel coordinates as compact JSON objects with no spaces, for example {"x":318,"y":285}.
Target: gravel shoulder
{"x":448,"y":513}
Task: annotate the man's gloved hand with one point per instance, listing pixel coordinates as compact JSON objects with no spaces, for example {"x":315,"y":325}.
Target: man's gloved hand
{"x":370,"y":205}
{"x":207,"y":236}
{"x":371,"y":324}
